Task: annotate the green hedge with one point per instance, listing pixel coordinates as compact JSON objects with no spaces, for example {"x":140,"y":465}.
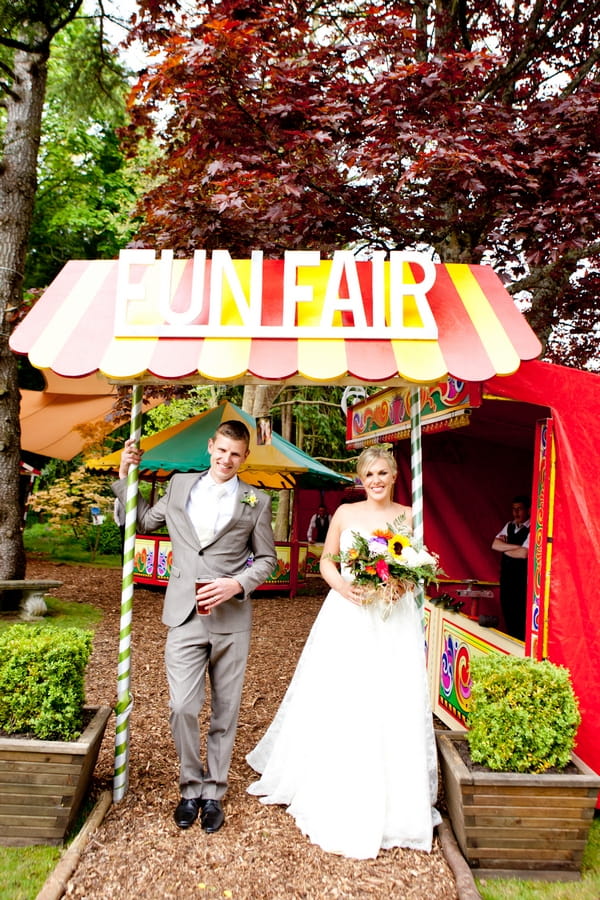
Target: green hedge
{"x":104,"y":539}
{"x":523,"y":715}
{"x":42,"y":680}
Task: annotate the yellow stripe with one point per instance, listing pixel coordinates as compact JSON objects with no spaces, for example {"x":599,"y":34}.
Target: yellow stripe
{"x":322,"y":360}
{"x":48,"y":346}
{"x":420,"y":361}
{"x":127,"y":357}
{"x":224,"y":358}
{"x":498,"y":346}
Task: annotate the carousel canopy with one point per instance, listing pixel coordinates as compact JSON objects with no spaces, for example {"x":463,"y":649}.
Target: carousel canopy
{"x":299,"y":320}
{"x":183,"y":448}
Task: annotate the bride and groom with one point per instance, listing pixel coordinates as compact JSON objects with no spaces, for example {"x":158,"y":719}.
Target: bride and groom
{"x":351,"y":750}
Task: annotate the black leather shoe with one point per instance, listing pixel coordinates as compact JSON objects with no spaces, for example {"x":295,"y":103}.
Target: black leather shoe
{"x":187,"y":811}
{"x":212,"y":816}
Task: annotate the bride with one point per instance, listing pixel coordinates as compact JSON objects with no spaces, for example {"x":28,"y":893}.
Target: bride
{"x":351,"y":750}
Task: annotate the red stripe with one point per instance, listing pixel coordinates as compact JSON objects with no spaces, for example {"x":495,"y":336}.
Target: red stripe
{"x":274,"y":360}
{"x":371,"y":360}
{"x":175,"y":357}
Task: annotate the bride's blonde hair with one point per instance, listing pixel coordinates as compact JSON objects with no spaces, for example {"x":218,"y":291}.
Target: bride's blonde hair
{"x":370,"y":454}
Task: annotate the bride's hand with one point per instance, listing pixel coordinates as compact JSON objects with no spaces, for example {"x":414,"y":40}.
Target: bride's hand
{"x":355,"y":594}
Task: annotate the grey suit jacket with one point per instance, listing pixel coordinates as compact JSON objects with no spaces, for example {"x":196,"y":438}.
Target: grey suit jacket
{"x":248,"y":532}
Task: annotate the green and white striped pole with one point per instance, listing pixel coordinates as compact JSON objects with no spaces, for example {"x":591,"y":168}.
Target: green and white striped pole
{"x":416,"y":467}
{"x":124,"y":697}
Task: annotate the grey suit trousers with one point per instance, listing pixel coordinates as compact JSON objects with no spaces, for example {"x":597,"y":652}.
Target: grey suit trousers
{"x":190,"y":652}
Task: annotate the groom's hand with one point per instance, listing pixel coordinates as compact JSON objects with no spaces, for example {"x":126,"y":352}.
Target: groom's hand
{"x":131,"y":455}
{"x":218,"y":591}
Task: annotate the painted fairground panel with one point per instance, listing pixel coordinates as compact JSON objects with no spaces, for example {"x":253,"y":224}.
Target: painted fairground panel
{"x":427,"y":630}
{"x":302,"y":561}
{"x":281,"y":574}
{"x":429,"y":623}
{"x":143,"y":558}
{"x":313,"y":558}
{"x":538,"y":576}
{"x":290,"y":570}
{"x":152,"y":560}
{"x":459,"y":640}
{"x":386,"y":416}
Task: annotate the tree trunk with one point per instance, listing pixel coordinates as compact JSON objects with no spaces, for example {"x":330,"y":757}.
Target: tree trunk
{"x":282,"y":521}
{"x":21,"y":140}
{"x":258,"y":399}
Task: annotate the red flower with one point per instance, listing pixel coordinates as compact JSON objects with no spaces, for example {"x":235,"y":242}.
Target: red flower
{"x":382,"y":569}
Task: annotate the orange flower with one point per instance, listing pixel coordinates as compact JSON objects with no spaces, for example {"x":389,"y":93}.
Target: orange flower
{"x":385,"y":533}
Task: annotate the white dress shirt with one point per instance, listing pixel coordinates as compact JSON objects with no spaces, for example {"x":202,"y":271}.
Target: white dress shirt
{"x":210,"y":505}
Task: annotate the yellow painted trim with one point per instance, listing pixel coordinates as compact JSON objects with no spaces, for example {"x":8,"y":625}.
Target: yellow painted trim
{"x":550,"y":535}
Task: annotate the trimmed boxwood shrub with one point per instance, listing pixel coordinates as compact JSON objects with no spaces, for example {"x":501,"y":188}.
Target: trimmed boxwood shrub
{"x":523,"y":715}
{"x":42,"y":680}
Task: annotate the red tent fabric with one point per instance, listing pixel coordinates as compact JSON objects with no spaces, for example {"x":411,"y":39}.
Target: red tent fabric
{"x":574,"y":623}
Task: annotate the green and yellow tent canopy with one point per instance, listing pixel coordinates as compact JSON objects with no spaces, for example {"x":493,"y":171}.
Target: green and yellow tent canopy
{"x":183,"y":448}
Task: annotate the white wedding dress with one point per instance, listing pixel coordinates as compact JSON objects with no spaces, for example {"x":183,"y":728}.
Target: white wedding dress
{"x":351,"y":750}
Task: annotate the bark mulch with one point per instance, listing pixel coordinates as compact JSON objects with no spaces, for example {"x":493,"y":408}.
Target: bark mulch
{"x":259,"y":853}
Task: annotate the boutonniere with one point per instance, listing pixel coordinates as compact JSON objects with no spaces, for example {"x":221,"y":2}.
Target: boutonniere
{"x":250,"y":499}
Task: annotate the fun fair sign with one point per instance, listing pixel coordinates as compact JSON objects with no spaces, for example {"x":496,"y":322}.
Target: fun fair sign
{"x":301,"y":296}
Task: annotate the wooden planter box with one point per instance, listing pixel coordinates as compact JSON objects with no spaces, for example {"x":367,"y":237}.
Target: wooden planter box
{"x":511,"y":825}
{"x":43,"y":783}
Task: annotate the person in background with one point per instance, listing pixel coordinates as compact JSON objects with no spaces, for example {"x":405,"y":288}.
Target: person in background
{"x":215,"y":522}
{"x":318,"y":526}
{"x":512,"y":541}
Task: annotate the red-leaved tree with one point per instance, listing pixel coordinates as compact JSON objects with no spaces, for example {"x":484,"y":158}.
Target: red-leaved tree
{"x":469,"y":129}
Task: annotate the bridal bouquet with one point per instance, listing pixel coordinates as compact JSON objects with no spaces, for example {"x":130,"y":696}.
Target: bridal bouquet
{"x":389,"y":563}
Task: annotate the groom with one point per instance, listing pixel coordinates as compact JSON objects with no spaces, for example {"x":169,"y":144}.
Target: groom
{"x":216,"y":523}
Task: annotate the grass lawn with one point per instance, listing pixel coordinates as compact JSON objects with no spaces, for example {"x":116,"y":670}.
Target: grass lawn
{"x":23,"y":870}
{"x":61,"y":545}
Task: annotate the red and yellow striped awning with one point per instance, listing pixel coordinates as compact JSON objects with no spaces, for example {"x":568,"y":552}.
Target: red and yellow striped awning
{"x":74,"y":331}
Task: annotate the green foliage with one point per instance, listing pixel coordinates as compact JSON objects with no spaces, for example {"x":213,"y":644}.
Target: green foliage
{"x":197,"y":401}
{"x":42,"y":686}
{"x":69,"y":499}
{"x":523,"y":716}
{"x":320,"y":424}
{"x":86,"y":186}
{"x":104,"y":538}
